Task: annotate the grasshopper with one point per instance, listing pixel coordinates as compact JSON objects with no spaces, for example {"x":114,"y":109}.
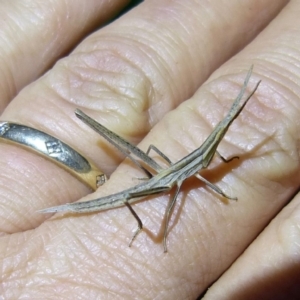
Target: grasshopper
{"x":165,"y":178}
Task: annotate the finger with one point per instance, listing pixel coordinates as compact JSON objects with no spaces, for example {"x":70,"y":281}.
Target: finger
{"x":96,"y":238}
{"x":34,"y":34}
{"x":269,"y":268}
{"x":267,"y":174}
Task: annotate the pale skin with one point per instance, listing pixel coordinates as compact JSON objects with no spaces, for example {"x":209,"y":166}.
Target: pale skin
{"x":132,"y":75}
{"x":165,"y":178}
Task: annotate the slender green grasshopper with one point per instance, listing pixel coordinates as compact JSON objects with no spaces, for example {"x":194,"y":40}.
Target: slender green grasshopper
{"x":166,"y":178}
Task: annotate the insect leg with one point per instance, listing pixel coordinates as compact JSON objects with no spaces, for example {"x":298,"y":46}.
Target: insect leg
{"x":225,"y":160}
{"x":140,"y":224}
{"x":152,"y":147}
{"x":214,"y":187}
{"x":169,"y":210}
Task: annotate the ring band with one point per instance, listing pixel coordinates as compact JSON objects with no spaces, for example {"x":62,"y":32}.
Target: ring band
{"x":54,"y":150}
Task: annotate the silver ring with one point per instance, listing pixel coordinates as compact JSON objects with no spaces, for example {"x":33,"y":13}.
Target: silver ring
{"x":54,"y":150}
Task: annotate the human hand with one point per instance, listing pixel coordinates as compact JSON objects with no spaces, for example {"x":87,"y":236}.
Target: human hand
{"x":130,"y":76}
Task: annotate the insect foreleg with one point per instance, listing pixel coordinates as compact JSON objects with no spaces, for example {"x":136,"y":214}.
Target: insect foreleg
{"x":225,"y":160}
{"x":214,"y":187}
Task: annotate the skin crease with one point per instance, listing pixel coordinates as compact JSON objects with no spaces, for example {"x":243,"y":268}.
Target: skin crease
{"x":132,"y":75}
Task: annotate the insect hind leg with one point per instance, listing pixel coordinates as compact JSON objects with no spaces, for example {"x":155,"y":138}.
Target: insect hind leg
{"x":140,"y":223}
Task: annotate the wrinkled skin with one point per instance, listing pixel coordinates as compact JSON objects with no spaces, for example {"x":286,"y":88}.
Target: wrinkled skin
{"x":132,"y":75}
